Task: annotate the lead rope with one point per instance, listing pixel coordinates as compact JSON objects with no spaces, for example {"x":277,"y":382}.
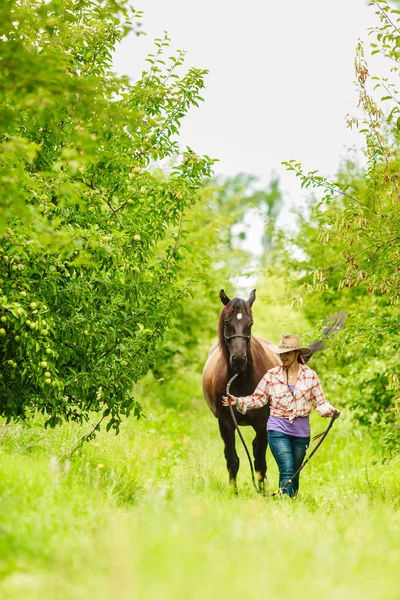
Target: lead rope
{"x":228,"y":385}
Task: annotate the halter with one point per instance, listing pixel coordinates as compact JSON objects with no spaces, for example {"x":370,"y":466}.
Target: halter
{"x":230,"y":337}
{"x":236,"y":335}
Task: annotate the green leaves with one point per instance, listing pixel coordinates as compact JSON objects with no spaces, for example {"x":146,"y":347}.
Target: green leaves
{"x":351,"y":243}
{"x":92,"y":238}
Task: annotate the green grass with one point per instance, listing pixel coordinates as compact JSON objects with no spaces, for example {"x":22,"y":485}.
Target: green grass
{"x":149,"y":515}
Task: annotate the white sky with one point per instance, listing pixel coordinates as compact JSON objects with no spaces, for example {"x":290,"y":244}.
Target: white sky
{"x":280,"y":85}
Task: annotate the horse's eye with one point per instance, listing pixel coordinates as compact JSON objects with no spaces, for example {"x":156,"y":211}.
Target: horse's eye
{"x":226,"y":322}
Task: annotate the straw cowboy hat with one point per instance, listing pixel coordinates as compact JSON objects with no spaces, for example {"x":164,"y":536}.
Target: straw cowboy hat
{"x":289,"y":343}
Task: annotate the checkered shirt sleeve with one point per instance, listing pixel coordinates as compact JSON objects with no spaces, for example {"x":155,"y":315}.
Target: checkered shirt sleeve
{"x":318,"y":399}
{"x":273,"y":389}
{"x":260,"y":397}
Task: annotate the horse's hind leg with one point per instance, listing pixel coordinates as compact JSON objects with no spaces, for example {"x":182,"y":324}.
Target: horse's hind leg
{"x":227,"y":431}
{"x":260,"y":444}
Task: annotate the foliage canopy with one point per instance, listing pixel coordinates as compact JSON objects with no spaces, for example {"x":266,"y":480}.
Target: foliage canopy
{"x":351,"y":243}
{"x":91,"y":234}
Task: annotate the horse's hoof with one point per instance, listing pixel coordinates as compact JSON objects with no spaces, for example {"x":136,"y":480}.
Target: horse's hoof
{"x":232,"y":483}
{"x":261,"y":482}
{"x":261,"y":488}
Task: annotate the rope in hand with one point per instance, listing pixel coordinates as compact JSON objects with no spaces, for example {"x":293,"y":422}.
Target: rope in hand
{"x":228,"y":385}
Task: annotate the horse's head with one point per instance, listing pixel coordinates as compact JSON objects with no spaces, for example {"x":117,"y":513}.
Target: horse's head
{"x":235,"y":329}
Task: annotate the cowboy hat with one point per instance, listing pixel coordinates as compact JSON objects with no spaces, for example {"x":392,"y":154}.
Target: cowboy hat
{"x":289,"y":343}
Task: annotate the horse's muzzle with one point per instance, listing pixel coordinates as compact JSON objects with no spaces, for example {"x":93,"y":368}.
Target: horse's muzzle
{"x":238,"y":363}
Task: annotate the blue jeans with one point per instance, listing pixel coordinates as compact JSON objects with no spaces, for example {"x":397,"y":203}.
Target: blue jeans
{"x":289,"y":452}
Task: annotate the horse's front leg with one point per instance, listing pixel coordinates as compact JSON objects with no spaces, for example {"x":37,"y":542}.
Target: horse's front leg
{"x":227,"y":431}
{"x":260,"y":444}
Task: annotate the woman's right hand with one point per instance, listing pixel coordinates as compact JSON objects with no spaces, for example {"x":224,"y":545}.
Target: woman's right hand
{"x":225,"y":401}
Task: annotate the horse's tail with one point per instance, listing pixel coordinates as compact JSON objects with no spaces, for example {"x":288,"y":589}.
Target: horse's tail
{"x":335,"y":323}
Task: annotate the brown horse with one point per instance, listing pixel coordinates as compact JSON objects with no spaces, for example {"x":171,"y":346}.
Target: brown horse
{"x":238,"y":351}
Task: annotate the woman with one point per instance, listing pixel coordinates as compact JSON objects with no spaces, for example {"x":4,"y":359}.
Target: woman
{"x":289,"y":388}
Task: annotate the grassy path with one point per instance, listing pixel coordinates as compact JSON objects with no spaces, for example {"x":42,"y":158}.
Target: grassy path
{"x":149,"y":515}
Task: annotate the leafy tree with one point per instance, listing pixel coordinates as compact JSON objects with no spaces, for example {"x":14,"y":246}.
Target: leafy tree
{"x":92,"y":237}
{"x":351,"y":243}
{"x":214,"y":234}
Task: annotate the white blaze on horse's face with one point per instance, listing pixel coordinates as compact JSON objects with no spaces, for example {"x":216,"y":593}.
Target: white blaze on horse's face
{"x":238,"y":344}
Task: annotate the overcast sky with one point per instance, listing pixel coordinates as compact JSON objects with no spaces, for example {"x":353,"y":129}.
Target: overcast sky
{"x":280,"y":85}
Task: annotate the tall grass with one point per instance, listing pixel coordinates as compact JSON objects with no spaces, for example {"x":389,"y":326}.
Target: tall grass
{"x":149,"y":515}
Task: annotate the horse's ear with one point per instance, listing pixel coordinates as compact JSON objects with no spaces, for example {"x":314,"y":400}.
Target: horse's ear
{"x":252,"y":297}
{"x":224,"y":298}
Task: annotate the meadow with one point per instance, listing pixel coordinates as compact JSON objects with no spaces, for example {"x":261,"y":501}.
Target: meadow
{"x":100,"y":252}
{"x":150,"y":514}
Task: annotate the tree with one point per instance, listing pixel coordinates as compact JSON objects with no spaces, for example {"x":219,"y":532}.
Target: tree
{"x":92,"y":236}
{"x":214,"y":234}
{"x":351,"y":242}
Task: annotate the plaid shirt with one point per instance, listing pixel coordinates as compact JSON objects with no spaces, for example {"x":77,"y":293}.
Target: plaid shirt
{"x":274,"y":389}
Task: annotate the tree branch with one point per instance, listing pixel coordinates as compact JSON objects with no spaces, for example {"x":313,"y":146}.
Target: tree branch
{"x":331,"y":188}
{"x":352,"y":257}
{"x":81,"y":440}
{"x":93,"y":187}
{"x":387,"y":17}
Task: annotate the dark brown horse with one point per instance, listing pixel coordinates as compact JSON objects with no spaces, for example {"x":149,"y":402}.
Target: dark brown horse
{"x":238,"y":351}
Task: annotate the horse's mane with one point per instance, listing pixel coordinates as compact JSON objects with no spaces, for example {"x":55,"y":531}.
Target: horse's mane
{"x":235,"y":305}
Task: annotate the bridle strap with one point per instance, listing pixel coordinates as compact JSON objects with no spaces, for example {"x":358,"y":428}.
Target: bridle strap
{"x":236,"y":335}
{"x":230,"y":337}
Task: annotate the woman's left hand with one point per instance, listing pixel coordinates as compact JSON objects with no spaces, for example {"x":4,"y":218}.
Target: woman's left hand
{"x":336,"y":413}
{"x":225,"y":401}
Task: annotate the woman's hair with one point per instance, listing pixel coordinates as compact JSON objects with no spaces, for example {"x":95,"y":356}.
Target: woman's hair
{"x":300,"y":359}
